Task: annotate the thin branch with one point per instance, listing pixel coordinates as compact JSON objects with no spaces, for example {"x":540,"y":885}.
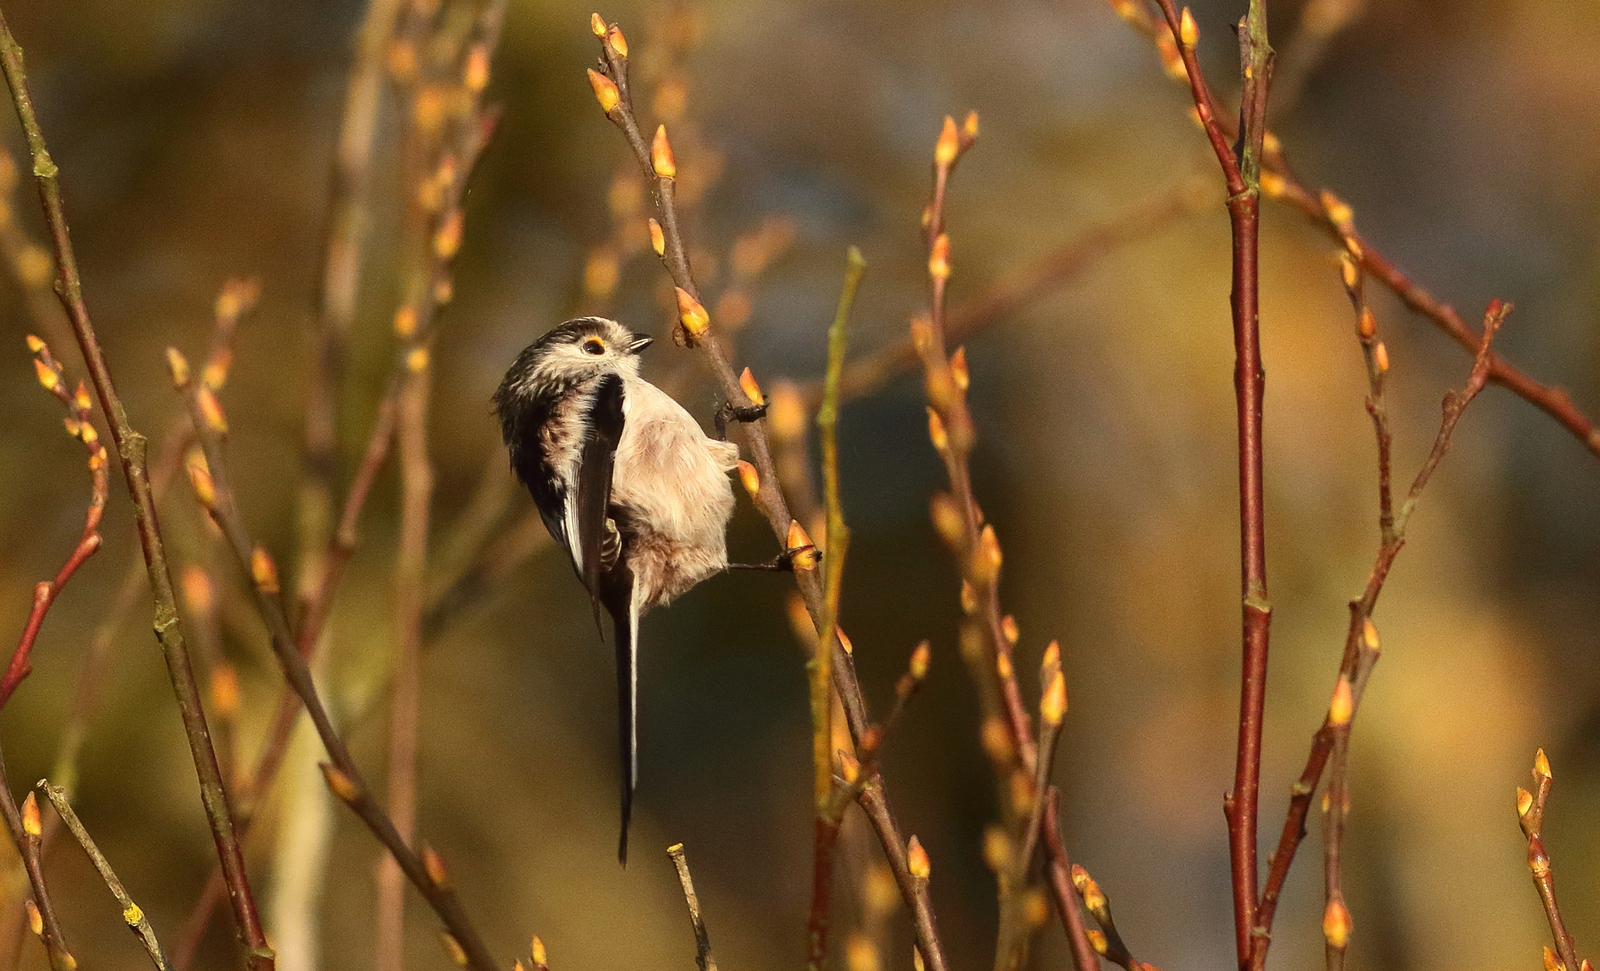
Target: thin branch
{"x":1530,"y":816}
{"x":132,"y":447}
{"x":702,"y":940}
{"x":80,"y":424}
{"x":659,"y":168}
{"x":1058,"y":871}
{"x":27,"y":833}
{"x":132,"y":913}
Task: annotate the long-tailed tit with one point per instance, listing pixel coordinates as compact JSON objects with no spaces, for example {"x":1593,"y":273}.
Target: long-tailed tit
{"x":625,"y":480}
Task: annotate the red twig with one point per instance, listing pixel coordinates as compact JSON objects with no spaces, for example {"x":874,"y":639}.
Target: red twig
{"x":1530,"y":815}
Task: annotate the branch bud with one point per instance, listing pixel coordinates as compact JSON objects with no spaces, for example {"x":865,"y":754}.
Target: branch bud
{"x":1188,"y":30}
{"x":177,"y":366}
{"x":1336,"y":924}
{"x":752,"y":390}
{"x":1524,"y":801}
{"x":1380,"y":357}
{"x":339,"y":784}
{"x":597,"y":25}
{"x":1541,"y":767}
{"x":433,"y":863}
{"x":1053,"y":706}
{"x":997,"y":848}
{"x":618,"y":42}
{"x":1366,"y":325}
{"x":949,"y":144}
{"x":749,"y":478}
{"x":1342,"y":707}
{"x":692,"y":313}
{"x":986,"y":563}
{"x":917,"y":859}
{"x":211,"y":410}
{"x":969,"y":128}
{"x":658,"y":239}
{"x":1097,"y":940}
{"x":453,"y":947}
{"x":35,"y":345}
{"x":939,"y":257}
{"x":1008,"y":627}
{"x":958,"y":368}
{"x":31,"y":823}
{"x":947,"y":519}
{"x":936,"y":431}
{"x":661,"y":157}
{"x":536,"y":952}
{"x":802,"y":552}
{"x":263,"y":570}
{"x":1338,"y":212}
{"x":132,"y":915}
{"x":225,"y":691}
{"x":605,"y":91}
{"x":1552,"y":962}
{"x":849,"y":767}
{"x":200,"y":478}
{"x":969,"y":598}
{"x":447,"y":238}
{"x":921,"y":657}
{"x":47,"y":376}
{"x":35,"y":919}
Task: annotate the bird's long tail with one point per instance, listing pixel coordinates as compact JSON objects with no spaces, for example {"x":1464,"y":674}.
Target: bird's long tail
{"x":627,"y":636}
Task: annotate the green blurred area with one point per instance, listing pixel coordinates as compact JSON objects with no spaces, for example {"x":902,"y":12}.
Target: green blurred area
{"x":195,"y":140}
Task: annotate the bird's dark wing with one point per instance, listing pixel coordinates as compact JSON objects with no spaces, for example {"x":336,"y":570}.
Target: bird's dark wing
{"x":589,"y":527}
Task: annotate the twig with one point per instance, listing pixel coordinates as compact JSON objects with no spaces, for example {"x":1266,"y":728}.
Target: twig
{"x":26,"y":832}
{"x":132,"y":448}
{"x":132,"y":913}
{"x":1058,"y":870}
{"x":1361,"y":640}
{"x":656,"y":161}
{"x":80,"y":424}
{"x":1530,"y":815}
{"x":702,"y":941}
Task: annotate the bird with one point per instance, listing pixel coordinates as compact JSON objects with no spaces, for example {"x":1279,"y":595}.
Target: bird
{"x":626,"y":481}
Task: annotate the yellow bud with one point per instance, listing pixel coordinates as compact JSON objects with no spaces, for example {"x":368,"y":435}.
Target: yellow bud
{"x":263,"y":570}
{"x":132,"y":915}
{"x":1524,"y":801}
{"x":339,"y":783}
{"x":35,"y":345}
{"x":599,"y":27}
{"x":749,"y":478}
{"x":802,"y":553}
{"x":605,"y":91}
{"x":35,"y":919}
{"x":1349,"y":273}
{"x":1035,"y":907}
{"x":921,"y":657}
{"x":1338,"y":213}
{"x":658,"y":239}
{"x":215,"y":374}
{"x":996,"y":848}
{"x":475,"y":76}
{"x":939,"y":257}
{"x":949,"y":144}
{"x":211,"y":410}
{"x":405,"y":322}
{"x":947,"y":519}
{"x":996,"y":739}
{"x":692,"y":313}
{"x":1003,"y":667}
{"x":1008,"y":627}
{"x":225,"y":691}
{"x":917,"y":859}
{"x":1336,"y":924}
{"x":969,"y":598}
{"x":31,"y":823}
{"x":453,"y":948}
{"x":989,"y":558}
{"x":1274,"y":185}
{"x":958,"y":368}
{"x":447,"y":238}
{"x":417,"y":359}
{"x":1052,"y":657}
{"x":1541,"y":766}
{"x":936,"y":431}
{"x":1551,"y":961}
{"x":1342,"y":708}
{"x":1366,"y":328}
{"x":661,"y":158}
{"x":200,"y":478}
{"x":969,"y":127}
{"x":618,"y":42}
{"x":47,"y":376}
{"x":1097,"y":940}
{"x":860,"y":954}
{"x":747,"y":381}
{"x":844,"y":642}
{"x":1188,"y":30}
{"x":536,"y":951}
{"x":1380,"y":356}
{"x":1053,"y":706}
{"x":849,"y":768}
{"x":433,"y":863}
{"x":916,"y":959}
{"x":177,"y":366}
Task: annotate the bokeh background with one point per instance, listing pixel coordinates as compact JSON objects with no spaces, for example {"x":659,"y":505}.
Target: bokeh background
{"x":196,"y":137}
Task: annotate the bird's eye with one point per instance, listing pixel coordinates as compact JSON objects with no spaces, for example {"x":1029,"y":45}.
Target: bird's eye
{"x":594,"y":345}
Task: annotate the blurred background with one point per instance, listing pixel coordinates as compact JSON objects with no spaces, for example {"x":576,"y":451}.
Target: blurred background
{"x":196,"y":142}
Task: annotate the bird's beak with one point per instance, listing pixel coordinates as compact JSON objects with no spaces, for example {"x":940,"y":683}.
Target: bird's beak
{"x":640,"y":342}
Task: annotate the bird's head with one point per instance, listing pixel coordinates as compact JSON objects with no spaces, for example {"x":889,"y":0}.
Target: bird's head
{"x":572,"y":353}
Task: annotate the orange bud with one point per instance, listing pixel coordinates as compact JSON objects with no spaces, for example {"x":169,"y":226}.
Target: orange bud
{"x":1541,"y":766}
{"x":996,"y":848}
{"x":536,"y":951}
{"x":661,"y":158}
{"x":1052,"y":657}
{"x":860,"y":953}
{"x":1524,"y":801}
{"x":453,"y":948}
{"x":969,"y":598}
{"x":618,"y":42}
{"x":35,"y":345}
{"x":936,"y":431}
{"x":417,"y":360}
{"x":787,"y":415}
{"x":969,"y":127}
{"x":1338,"y":212}
{"x":200,"y":478}
{"x":263,"y":570}
{"x":988,"y":557}
{"x":1336,"y":924}
{"x":1552,"y":962}
{"x":917,"y":859}
{"x":177,"y":366}
{"x":35,"y":919}
{"x":749,"y":478}
{"x":601,"y":273}
{"x":1003,"y":667}
{"x":849,"y":767}
{"x":1349,"y":273}
{"x":692,"y":313}
{"x":1053,"y":706}
{"x":1188,"y":30}
{"x":225,"y":691}
{"x":197,"y":592}
{"x":1097,"y":940}
{"x":605,"y":91}
{"x":1274,"y":185}
{"x":658,"y":239}
{"x":339,"y":783}
{"x":211,"y":410}
{"x":747,"y":381}
{"x":405,"y":322}
{"x":1342,"y":708}
{"x":31,"y":823}
{"x":844,"y":641}
{"x":921,"y":657}
{"x":1380,"y":355}
{"x":958,"y":368}
{"x":447,"y":238}
{"x":949,"y":144}
{"x":939,"y":257}
{"x":47,"y":376}
{"x":597,"y":25}
{"x":475,"y":76}
{"x":433,"y":863}
{"x":1008,"y":627}
{"x":1366,"y":325}
{"x":215,"y":374}
{"x":947,"y":519}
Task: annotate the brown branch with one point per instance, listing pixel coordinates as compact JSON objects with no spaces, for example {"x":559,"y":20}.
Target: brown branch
{"x":659,"y":168}
{"x":1058,"y":873}
{"x":132,"y":447}
{"x":702,"y":940}
{"x":27,"y":833}
{"x":1530,"y":816}
{"x":1361,"y":640}
{"x":80,"y":424}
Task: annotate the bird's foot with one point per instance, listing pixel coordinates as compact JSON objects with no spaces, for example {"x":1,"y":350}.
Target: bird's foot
{"x":807,"y":557}
{"x":744,"y":414}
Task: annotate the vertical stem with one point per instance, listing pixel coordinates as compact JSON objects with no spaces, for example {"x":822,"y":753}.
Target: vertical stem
{"x":131,"y":447}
